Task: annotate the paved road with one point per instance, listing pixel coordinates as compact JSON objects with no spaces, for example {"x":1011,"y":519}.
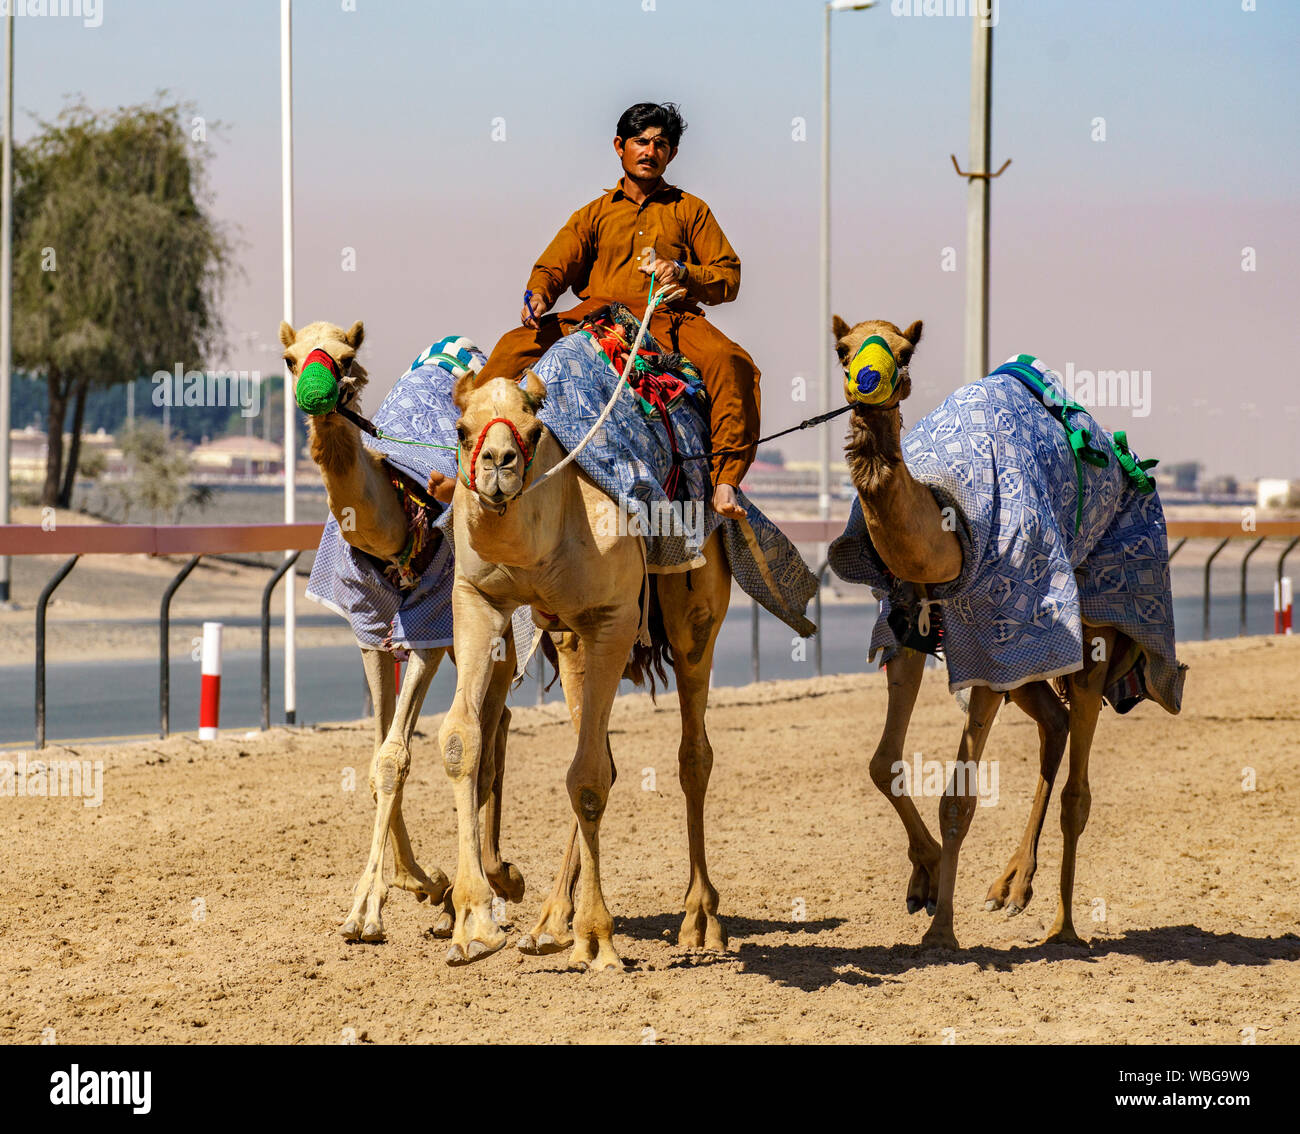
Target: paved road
{"x":120,"y":698}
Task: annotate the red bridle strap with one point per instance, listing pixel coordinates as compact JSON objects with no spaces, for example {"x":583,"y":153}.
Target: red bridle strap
{"x":473,"y":461}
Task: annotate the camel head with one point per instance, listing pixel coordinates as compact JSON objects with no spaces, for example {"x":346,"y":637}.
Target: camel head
{"x":499,"y":433}
{"x":340,"y":345}
{"x":875,"y":356}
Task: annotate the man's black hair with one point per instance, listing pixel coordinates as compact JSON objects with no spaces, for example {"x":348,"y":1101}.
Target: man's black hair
{"x":664,"y":115}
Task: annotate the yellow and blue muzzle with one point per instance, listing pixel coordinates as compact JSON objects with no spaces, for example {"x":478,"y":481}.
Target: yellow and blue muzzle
{"x":871,"y":377}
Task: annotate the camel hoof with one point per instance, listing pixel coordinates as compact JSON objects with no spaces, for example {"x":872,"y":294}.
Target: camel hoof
{"x":509,"y":883}
{"x":990,"y":906}
{"x":1013,"y":909}
{"x":372,"y":933}
{"x":940,"y":942}
{"x":914,"y":905}
{"x":443,"y":926}
{"x":542,"y":945}
{"x":1073,"y":940}
{"x":457,"y":956}
{"x":350,"y":929}
{"x":421,"y":895}
{"x":930,"y":907}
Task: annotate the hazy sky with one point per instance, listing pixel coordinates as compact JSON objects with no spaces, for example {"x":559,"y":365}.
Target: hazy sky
{"x":1122,"y":254}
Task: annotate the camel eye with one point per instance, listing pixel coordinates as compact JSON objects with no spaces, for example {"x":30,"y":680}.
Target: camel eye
{"x":462,"y":433}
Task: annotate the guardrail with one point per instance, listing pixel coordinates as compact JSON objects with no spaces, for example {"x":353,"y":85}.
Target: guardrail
{"x":1223,"y":531}
{"x":195,"y":540}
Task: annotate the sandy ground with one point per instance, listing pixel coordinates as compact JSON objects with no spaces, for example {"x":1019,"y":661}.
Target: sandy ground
{"x":199,"y":902}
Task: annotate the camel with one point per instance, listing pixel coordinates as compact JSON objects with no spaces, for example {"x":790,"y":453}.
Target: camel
{"x":907,"y":527}
{"x":371,"y":517}
{"x":558,"y":549}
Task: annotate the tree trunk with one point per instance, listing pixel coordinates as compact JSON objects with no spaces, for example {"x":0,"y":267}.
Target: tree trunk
{"x":74,"y":445}
{"x":54,"y":446}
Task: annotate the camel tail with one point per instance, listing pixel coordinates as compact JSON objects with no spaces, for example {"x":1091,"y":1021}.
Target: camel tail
{"x":649,"y":662}
{"x":550,"y":654}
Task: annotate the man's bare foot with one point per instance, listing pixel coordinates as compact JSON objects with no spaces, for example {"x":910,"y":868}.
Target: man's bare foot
{"x":725,"y":503}
{"x":442,"y":487}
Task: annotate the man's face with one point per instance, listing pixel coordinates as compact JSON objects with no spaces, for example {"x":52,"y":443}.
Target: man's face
{"x":646,"y":156}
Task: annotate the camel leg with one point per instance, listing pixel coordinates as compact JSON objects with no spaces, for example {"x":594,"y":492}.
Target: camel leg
{"x":1014,"y":887}
{"x":903,"y":676}
{"x":480,"y":630}
{"x":504,"y":877}
{"x":692,"y":618}
{"x":606,"y":648}
{"x":395,"y":721}
{"x":553,"y":932}
{"x":957,"y":807}
{"x":1085,"y":689}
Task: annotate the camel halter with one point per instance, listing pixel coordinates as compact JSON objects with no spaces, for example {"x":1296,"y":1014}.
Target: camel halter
{"x":470,"y":481}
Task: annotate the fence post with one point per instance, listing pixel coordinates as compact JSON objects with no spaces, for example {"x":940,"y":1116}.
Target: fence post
{"x":817,"y":646}
{"x":1205,"y":633}
{"x":1281,"y":559}
{"x":164,"y":647}
{"x":267,"y":591}
{"x":41,"y":603}
{"x":753,"y":636}
{"x":1254,"y":547}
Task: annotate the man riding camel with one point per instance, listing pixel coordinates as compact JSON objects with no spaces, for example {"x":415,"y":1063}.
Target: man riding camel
{"x":607,"y":253}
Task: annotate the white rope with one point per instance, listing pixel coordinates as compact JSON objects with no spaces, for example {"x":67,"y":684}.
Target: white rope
{"x":654,"y":302}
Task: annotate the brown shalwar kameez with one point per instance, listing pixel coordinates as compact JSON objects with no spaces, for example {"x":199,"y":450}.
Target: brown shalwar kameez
{"x":597,"y":255}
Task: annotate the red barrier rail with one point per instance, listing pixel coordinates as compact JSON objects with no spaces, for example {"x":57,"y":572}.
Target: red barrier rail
{"x":145,"y":539}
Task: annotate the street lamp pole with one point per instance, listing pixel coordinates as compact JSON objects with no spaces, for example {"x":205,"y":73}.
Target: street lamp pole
{"x":824,"y":312}
{"x":290,"y":443}
{"x":6,"y":288}
{"x":977,"y":200}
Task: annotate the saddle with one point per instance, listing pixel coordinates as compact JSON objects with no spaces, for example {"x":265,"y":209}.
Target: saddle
{"x":662,"y":380}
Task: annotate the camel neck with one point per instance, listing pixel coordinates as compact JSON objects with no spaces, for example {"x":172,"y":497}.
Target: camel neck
{"x":874,"y":450}
{"x":361,"y":499}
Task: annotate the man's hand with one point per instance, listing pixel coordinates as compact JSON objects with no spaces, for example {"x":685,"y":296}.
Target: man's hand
{"x":665,"y":271}
{"x":725,"y":503}
{"x":533,"y":309}
{"x":442,"y":487}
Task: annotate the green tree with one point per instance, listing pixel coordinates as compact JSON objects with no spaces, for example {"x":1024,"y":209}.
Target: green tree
{"x":118,"y":266}
{"x":159,"y":475}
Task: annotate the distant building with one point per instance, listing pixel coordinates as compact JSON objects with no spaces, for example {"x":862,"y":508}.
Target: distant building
{"x":1271,"y":493}
{"x":238,"y":456}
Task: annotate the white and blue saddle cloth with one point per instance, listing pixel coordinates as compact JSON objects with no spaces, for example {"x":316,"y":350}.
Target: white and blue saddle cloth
{"x":627,"y":459}
{"x":1034,"y":568}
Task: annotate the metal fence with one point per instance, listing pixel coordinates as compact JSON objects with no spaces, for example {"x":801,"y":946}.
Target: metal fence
{"x":197,"y":541}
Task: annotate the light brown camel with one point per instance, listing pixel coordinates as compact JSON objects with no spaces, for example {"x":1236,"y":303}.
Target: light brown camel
{"x":558,"y":549}
{"x":907,"y":529}
{"x":371,"y":517}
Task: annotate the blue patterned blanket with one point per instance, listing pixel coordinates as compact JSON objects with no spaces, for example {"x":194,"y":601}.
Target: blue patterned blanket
{"x":1029,"y":579}
{"x":628,"y":460}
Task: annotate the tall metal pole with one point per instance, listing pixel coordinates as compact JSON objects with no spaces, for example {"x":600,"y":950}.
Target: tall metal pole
{"x":6,"y":287}
{"x":824,"y":310}
{"x":977,"y":199}
{"x":290,"y":445}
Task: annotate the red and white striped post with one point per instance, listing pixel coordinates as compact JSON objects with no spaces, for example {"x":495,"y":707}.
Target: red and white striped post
{"x":210,"y":681}
{"x":1282,"y":606}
